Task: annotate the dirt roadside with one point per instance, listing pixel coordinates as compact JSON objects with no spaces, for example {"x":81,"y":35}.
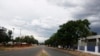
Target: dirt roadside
{"x":75,"y":53}
{"x":15,"y":48}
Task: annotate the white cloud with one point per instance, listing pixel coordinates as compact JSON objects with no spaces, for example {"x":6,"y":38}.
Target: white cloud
{"x":43,"y":17}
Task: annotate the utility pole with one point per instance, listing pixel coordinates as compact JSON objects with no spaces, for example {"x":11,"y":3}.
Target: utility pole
{"x":20,"y":32}
{"x":13,"y":37}
{"x":13,"y":32}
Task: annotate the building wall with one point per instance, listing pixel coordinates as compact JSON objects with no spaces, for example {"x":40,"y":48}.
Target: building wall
{"x":92,"y":45}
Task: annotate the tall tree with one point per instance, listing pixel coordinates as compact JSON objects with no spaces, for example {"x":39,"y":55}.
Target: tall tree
{"x":69,"y":33}
{"x":9,"y":35}
{"x":3,"y":34}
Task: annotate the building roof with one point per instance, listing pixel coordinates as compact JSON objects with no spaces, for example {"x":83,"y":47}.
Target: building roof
{"x":92,"y":37}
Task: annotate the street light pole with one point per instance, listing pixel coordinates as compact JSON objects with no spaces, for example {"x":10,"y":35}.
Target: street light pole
{"x":20,"y":32}
{"x":13,"y":32}
{"x":13,"y":37}
{"x":20,"y":36}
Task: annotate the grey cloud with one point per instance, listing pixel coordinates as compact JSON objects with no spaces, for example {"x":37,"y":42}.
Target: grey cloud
{"x":96,"y":29}
{"x":63,"y":3}
{"x":42,"y":32}
{"x":90,"y":8}
{"x":59,"y":11}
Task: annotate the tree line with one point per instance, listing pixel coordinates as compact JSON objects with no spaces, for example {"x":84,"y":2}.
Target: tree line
{"x":68,"y":33}
{"x":26,"y":39}
{"x":6,"y":36}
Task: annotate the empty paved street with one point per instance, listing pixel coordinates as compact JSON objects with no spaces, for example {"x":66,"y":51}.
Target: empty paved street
{"x":33,"y":52}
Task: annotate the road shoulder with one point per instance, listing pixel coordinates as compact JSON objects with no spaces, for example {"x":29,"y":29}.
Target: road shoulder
{"x":15,"y":48}
{"x":74,"y":53}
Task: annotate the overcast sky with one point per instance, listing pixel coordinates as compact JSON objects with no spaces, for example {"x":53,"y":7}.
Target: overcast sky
{"x":42,"y":18}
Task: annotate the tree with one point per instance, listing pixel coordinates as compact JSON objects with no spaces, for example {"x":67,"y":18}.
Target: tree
{"x":27,"y":39}
{"x":4,"y":38}
{"x":9,"y":35}
{"x":69,"y":33}
{"x":2,"y":34}
{"x":73,"y":30}
{"x":18,"y":39}
{"x":94,"y":33}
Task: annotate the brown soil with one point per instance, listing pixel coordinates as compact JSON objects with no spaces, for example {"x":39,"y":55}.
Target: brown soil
{"x":15,"y":48}
{"x":76,"y":53}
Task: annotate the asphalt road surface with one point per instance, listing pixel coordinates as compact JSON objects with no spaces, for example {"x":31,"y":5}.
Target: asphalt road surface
{"x":34,"y":52}
{"x":55,"y":52}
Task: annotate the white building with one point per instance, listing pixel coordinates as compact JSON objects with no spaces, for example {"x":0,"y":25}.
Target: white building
{"x":90,"y":45}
